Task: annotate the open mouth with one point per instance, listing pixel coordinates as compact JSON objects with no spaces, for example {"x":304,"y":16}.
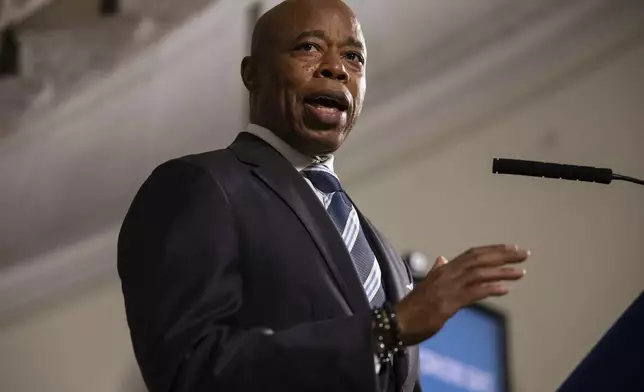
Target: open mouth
{"x":328,"y":100}
{"x":326,"y":109}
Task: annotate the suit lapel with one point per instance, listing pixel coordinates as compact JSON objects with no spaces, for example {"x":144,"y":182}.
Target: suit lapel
{"x":284,"y":180}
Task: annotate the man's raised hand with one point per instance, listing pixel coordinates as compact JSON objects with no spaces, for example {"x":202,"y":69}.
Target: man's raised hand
{"x":474,"y":275}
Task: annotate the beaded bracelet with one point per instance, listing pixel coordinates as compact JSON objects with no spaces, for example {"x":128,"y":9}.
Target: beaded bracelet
{"x":387,"y":340}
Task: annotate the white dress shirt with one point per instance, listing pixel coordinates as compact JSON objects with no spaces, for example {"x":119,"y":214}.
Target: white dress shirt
{"x":296,"y":158}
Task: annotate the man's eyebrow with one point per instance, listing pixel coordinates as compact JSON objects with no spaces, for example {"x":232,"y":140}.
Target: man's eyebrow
{"x":351,"y":41}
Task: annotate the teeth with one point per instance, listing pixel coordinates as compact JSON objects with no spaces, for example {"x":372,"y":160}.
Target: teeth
{"x":325,"y":108}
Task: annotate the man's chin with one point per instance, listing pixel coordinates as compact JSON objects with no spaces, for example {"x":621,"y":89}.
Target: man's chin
{"x":321,"y":141}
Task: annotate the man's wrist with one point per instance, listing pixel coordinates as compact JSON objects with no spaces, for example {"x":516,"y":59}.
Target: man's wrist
{"x":387,"y":341}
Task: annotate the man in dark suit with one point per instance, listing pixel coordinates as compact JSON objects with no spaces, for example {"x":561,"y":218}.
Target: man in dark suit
{"x":250,"y":269}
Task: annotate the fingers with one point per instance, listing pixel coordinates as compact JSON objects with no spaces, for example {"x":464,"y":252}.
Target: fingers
{"x":487,"y":290}
{"x":475,"y":275}
{"x":491,"y":248}
{"x":440,"y":261}
{"x":482,"y":270}
{"x":491,"y":274}
{"x":491,"y":256}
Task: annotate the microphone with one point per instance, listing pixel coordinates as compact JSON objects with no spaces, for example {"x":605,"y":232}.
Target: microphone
{"x":558,"y":171}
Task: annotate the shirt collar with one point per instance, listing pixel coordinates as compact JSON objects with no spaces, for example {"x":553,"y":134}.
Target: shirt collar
{"x":296,"y":158}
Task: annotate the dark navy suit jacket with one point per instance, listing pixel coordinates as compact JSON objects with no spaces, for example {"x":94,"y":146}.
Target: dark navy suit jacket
{"x":235,"y":279}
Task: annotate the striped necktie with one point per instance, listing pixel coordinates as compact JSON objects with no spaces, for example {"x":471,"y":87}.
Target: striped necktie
{"x":345,"y":217}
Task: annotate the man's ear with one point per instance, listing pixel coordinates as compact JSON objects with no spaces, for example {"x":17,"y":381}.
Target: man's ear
{"x":248,"y":73}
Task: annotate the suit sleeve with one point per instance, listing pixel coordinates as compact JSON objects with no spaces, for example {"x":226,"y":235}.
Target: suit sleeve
{"x":179,"y":263}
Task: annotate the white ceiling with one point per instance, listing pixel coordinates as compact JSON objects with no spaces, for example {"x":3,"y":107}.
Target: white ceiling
{"x":398,"y":31}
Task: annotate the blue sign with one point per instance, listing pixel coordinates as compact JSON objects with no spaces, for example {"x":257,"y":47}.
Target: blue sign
{"x":467,"y":355}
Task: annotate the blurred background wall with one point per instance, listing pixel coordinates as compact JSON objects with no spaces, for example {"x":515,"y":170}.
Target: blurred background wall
{"x":98,"y":101}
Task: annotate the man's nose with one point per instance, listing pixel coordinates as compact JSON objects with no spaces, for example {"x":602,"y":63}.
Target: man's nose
{"x":333,"y":68}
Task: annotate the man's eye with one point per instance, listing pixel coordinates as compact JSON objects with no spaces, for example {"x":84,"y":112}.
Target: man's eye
{"x":307,"y":47}
{"x":352,"y":56}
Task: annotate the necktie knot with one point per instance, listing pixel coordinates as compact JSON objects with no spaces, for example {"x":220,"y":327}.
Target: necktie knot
{"x":322,"y":178}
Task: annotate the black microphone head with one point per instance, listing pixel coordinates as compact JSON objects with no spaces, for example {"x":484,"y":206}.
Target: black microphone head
{"x":552,"y":170}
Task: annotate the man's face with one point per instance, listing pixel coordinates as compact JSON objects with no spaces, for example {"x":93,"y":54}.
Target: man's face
{"x":311,"y":76}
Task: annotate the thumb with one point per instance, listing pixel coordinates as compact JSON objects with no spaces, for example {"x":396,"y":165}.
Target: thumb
{"x":440,"y":261}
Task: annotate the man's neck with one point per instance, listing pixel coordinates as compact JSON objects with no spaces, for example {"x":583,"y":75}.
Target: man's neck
{"x":295,"y":157}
